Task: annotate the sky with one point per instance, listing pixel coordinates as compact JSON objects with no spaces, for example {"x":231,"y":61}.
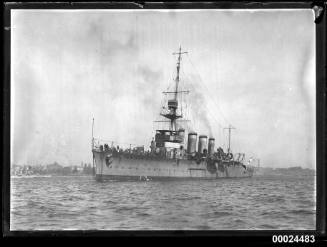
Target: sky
{"x":253,"y":69}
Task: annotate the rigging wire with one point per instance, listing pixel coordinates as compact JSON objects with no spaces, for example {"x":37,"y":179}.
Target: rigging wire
{"x":193,"y":120}
{"x":236,"y":142}
{"x":211,"y":114}
{"x":185,"y":113}
{"x":203,"y":84}
{"x":216,"y":103}
{"x":220,"y":128}
{"x":208,"y":109}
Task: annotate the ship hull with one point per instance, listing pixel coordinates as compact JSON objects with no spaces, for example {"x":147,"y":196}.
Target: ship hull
{"x":127,"y":168}
{"x":99,"y":177}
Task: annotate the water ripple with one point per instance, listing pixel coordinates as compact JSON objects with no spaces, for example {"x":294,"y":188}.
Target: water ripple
{"x":81,"y":203}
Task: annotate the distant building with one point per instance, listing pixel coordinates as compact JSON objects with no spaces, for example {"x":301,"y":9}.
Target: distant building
{"x":54,"y":168}
{"x":295,"y":168}
{"x":67,"y":170}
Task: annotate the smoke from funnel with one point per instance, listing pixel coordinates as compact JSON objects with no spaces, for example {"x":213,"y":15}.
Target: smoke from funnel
{"x":199,"y":108}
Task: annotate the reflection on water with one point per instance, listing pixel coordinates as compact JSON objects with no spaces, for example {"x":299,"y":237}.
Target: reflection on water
{"x":81,"y":203}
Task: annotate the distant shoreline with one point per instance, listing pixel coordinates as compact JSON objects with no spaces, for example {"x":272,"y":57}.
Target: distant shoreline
{"x":285,"y":172}
{"x":51,"y":175}
{"x":284,"y":175}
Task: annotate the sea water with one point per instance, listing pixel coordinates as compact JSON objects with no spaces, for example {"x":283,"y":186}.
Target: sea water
{"x":81,"y":203}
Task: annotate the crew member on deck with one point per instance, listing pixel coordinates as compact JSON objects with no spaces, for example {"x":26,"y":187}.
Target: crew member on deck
{"x":153,"y":146}
{"x":205,"y":153}
{"x":181,"y":152}
{"x":220,"y":153}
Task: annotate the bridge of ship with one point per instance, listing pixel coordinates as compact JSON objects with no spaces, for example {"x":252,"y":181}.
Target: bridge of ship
{"x":163,"y":136}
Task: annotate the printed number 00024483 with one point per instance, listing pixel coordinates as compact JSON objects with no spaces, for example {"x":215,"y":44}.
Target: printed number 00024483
{"x":293,"y":238}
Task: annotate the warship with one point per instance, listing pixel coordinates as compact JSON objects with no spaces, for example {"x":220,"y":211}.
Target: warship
{"x":174,"y":152}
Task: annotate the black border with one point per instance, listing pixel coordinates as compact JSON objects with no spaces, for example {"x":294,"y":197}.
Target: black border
{"x":260,"y":235}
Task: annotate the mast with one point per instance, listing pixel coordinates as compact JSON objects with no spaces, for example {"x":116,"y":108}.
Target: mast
{"x":92,"y":133}
{"x":230,"y":127}
{"x":179,"y":53}
{"x":93,"y":169}
{"x":173,"y":103}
